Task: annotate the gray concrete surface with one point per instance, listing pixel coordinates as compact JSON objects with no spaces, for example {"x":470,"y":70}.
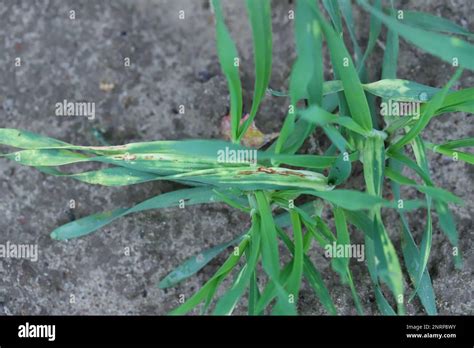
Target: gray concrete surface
{"x":173,"y":62}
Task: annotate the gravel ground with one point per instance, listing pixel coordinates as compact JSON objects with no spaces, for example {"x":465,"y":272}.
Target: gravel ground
{"x":173,"y":63}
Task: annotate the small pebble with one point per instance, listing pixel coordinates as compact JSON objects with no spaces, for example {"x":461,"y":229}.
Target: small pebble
{"x":204,"y":76}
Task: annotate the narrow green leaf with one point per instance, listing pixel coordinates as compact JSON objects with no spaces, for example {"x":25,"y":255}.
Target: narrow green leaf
{"x":321,"y":117}
{"x":448,"y":226}
{"x":388,"y":268}
{"x":411,"y":254}
{"x":364,"y":223}
{"x":337,"y":138}
{"x":294,"y":281}
{"x":286,"y":130}
{"x":312,"y":161}
{"x":116,"y":176}
{"x":454,"y":154}
{"x":374,"y":32}
{"x":231,"y":201}
{"x":341,"y":170}
{"x":401,"y":90}
{"x":208,"y":290}
{"x":89,"y":224}
{"x":431,"y":22}
{"x":270,"y":254}
{"x":229,"y":60}
{"x":284,"y":305}
{"x":254,"y":295}
{"x":399,"y":178}
{"x":402,"y":158}
{"x":344,"y":67}
{"x":442,"y":46}
{"x":28,"y":140}
{"x":228,"y":301}
{"x":46,"y":158}
{"x":194,"y":264}
{"x":382,"y":302}
{"x":341,"y":264}
{"x":461,"y":100}
{"x":259,"y":13}
{"x":446,"y":220}
{"x":270,"y":290}
{"x":300,"y":132}
{"x":439,"y":194}
{"x":390,"y":56}
{"x":306,"y":79}
{"x":350,"y":200}
{"x":435,"y":192}
{"x":434,"y":104}
{"x":255,"y":178}
{"x":311,"y":274}
{"x":346,"y":10}
{"x":374,"y":164}
{"x":454,"y":144}
{"x":426,"y":241}
{"x":332,"y":7}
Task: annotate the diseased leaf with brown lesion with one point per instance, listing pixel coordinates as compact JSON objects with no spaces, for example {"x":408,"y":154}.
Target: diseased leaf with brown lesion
{"x":253,"y":136}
